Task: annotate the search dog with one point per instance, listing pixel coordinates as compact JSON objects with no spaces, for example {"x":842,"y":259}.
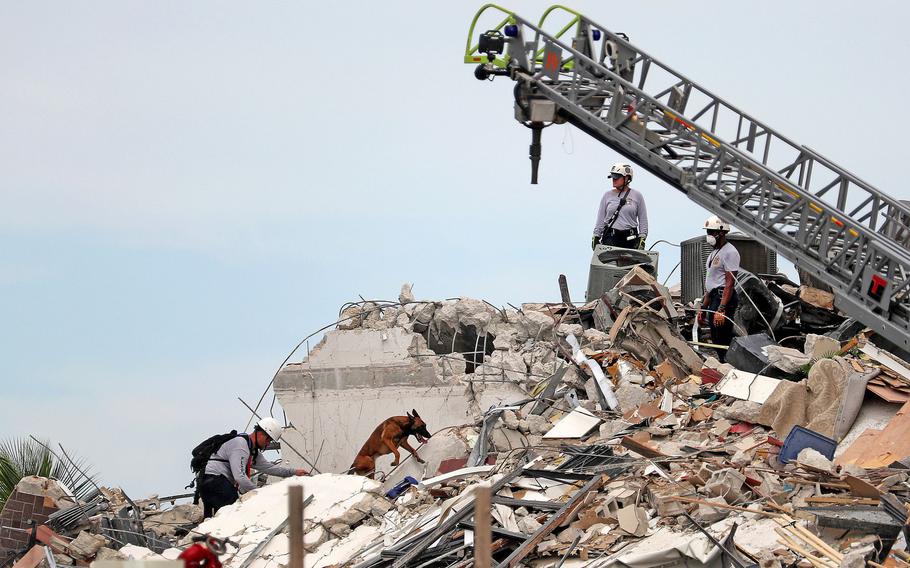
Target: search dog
{"x":391,"y":434}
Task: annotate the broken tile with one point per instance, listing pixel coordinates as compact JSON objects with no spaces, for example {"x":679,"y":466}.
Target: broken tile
{"x":574,"y":425}
{"x":633,"y":520}
{"x":747,"y":386}
{"x":721,"y":428}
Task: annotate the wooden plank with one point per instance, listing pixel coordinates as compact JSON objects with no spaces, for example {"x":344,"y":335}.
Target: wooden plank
{"x":840,"y":501}
{"x":892,"y":381}
{"x":887,"y":360}
{"x":695,"y":501}
{"x":888,"y":394}
{"x":880,"y":450}
{"x":619,"y":323}
{"x":861,"y":488}
{"x":295,"y":526}
{"x":483,"y":536}
{"x":640,"y":449}
{"x":855,"y":451}
{"x":552,"y":523}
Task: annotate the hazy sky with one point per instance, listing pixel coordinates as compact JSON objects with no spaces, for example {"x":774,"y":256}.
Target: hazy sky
{"x":189,"y":188}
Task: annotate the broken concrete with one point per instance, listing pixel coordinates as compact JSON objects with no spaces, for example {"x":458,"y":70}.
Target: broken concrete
{"x":790,"y":361}
{"x":86,"y":545}
{"x":687,"y":451}
{"x":353,"y":380}
{"x":631,"y":396}
{"x":812,"y":458}
{"x":819,"y":346}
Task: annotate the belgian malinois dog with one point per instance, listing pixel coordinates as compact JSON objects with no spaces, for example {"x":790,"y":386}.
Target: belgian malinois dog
{"x":386,"y":438}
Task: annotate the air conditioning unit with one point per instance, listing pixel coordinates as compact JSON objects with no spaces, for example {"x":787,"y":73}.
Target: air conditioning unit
{"x":610,"y":264}
{"x":753,"y":256}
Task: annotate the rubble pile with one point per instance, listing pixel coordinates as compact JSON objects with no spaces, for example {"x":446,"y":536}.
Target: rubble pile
{"x":630,"y":446}
{"x":469,"y":337}
{"x":101,"y":526}
{"x":656,"y":454}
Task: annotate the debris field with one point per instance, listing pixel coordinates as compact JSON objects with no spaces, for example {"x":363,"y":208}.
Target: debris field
{"x":630,"y":445}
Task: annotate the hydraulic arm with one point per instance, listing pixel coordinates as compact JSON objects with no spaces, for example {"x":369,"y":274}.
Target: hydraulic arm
{"x":785,"y":195}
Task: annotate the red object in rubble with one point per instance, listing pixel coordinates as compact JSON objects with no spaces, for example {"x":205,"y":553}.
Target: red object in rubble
{"x":742,"y":428}
{"x":710,"y":376}
{"x":203,"y":554}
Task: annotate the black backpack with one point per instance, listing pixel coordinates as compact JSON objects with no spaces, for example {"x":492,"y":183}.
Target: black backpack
{"x":203,"y":452}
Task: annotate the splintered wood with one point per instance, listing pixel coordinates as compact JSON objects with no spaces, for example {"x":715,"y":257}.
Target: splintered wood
{"x":881,"y":448}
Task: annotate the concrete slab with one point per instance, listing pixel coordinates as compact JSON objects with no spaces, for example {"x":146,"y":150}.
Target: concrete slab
{"x":356,"y":379}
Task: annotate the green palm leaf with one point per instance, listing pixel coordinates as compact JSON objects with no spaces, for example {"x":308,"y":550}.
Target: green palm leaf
{"x":22,"y":457}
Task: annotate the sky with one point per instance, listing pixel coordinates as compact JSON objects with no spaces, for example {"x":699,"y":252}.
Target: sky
{"x":187,"y":189}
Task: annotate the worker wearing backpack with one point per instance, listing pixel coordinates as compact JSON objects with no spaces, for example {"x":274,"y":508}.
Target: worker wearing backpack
{"x":224,"y":463}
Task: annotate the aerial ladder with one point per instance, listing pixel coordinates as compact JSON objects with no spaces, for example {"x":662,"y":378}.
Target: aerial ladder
{"x":787,"y":196}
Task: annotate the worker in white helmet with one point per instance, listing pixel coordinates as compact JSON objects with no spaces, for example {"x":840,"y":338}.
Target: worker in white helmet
{"x":720,"y":300}
{"x":622,"y":218}
{"x":227,"y":473}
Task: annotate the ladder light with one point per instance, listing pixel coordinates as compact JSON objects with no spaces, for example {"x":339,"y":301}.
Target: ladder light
{"x":595,"y":34}
{"x":511,"y":30}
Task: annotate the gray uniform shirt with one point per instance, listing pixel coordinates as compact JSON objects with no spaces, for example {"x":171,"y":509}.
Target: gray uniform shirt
{"x":236,"y":453}
{"x":633,"y":214}
{"x":725,"y":259}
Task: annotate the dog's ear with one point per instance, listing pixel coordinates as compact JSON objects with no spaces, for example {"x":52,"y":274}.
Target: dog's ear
{"x":415,"y":413}
{"x":409,"y":415}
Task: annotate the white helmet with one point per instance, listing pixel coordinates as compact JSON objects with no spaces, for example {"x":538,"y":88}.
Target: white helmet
{"x":622,"y":169}
{"x":271,"y":427}
{"x":714,"y":223}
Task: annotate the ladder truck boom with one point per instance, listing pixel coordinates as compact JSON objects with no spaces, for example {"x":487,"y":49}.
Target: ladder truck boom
{"x":785,"y":195}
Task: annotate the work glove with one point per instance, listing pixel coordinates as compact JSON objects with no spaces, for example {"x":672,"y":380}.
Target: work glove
{"x":700,"y":317}
{"x":719,"y":319}
{"x":641,"y":242}
{"x":594,"y":241}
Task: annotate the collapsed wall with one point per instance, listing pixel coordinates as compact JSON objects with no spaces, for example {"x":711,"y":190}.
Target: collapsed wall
{"x":32,"y":499}
{"x":449,"y":360}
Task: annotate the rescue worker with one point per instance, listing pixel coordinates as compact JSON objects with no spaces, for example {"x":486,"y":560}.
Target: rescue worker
{"x":720,"y":301}
{"x":227,"y":473}
{"x":622,"y":219}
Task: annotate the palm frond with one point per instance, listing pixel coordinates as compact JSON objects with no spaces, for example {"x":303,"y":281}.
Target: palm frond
{"x":22,"y":457}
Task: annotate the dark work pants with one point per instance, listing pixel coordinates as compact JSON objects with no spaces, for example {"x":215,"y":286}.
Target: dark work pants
{"x":721,"y":335}
{"x":614,"y":238}
{"x":216,"y":492}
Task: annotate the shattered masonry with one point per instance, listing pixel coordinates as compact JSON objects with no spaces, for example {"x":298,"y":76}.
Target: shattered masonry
{"x":795,"y":453}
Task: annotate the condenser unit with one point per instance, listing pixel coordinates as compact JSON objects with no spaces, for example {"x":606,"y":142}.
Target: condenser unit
{"x":753,"y":256}
{"x":610,"y":264}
